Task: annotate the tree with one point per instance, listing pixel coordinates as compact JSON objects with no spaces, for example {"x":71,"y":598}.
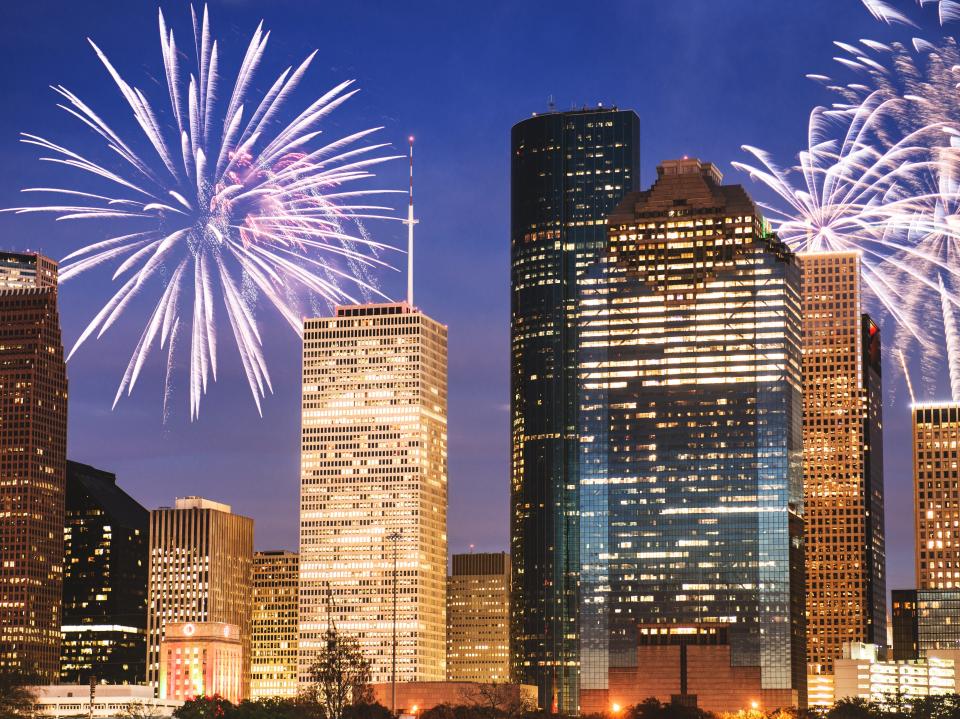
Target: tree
{"x":653,"y":709}
{"x":851,"y":708}
{"x":140,"y":710}
{"x":496,"y":697}
{"x":16,"y":697}
{"x":339,"y":677}
{"x":212,"y":707}
{"x":940,"y":706}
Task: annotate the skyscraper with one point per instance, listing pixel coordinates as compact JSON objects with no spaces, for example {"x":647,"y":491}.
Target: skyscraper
{"x":478,"y":618}
{"x":843,"y":461}
{"x":373,"y":492}
{"x":568,"y":171}
{"x":33,"y":449}
{"x":106,"y":539}
{"x":936,"y":433}
{"x":201,"y":569}
{"x":690,"y":500}
{"x":275,"y":625}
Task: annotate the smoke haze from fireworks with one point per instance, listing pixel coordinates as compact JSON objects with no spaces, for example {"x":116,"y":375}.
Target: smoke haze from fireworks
{"x":225,"y":205}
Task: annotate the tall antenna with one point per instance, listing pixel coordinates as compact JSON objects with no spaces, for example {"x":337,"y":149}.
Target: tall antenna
{"x":410,"y":223}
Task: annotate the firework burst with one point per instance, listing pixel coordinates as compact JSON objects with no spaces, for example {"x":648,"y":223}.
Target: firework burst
{"x":857,"y":189}
{"x":223,"y":205}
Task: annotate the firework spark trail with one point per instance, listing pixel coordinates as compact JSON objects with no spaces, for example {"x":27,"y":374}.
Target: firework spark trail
{"x":953,"y":341}
{"x":855,"y":191}
{"x":230,"y":206}
{"x":947,"y":11}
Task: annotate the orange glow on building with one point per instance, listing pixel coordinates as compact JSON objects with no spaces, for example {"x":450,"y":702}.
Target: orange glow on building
{"x":201,"y":659}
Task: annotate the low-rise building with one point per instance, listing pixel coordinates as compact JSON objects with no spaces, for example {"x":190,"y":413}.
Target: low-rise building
{"x":864,"y":672}
{"x":201,"y":659}
{"x":109,"y":701}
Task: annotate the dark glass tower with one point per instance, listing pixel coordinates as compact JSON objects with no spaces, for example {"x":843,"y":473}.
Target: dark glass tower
{"x":105,"y":581}
{"x":691,"y":483}
{"x":568,"y":170}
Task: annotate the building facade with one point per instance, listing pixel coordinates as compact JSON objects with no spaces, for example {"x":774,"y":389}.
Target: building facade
{"x":925,"y":620}
{"x":275,"y":626}
{"x":200,"y":571}
{"x":865,"y":672}
{"x":373,"y":493}
{"x":843,"y":460}
{"x":568,"y":171}
{"x":69,"y":701}
{"x":33,"y":457}
{"x":105,"y":541}
{"x":202,"y":659}
{"x":690,"y":474}
{"x":936,"y":478}
{"x":478,"y":618}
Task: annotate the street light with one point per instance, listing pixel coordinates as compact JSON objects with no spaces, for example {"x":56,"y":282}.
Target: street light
{"x":615,"y":708}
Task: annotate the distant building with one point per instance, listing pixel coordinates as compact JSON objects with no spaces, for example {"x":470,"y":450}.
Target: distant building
{"x":201,"y":659}
{"x":274,"y":628}
{"x":690,"y":462}
{"x":924,"y":621}
{"x":374,"y":487}
{"x":27,"y":270}
{"x":201,"y":571}
{"x":478,"y":618}
{"x":843,"y":460}
{"x":864,"y":673}
{"x":105,"y":543}
{"x":568,"y":170}
{"x":69,"y":701}
{"x":936,"y":432}
{"x":33,"y":456}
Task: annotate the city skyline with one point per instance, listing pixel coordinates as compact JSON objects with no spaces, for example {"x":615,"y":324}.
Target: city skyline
{"x":477,"y":315}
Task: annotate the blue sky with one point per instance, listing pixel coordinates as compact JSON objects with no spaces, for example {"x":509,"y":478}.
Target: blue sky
{"x":704,"y":76}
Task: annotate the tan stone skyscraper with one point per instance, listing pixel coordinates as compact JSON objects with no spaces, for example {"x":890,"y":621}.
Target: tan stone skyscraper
{"x":33,"y":461}
{"x":478,"y":618}
{"x":936,"y":432}
{"x":201,"y":567}
{"x":275,"y":632}
{"x":374,"y":487}
{"x":843,"y":460}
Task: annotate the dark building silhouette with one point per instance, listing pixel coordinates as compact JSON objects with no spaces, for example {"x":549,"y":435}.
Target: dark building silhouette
{"x":568,"y":170}
{"x":33,"y":448}
{"x":925,"y":620}
{"x":106,"y":538}
{"x":690,"y":474}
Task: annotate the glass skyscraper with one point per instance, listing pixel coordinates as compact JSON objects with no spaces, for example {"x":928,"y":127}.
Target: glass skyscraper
{"x":690,"y":466}
{"x":568,"y":171}
{"x":105,"y":541}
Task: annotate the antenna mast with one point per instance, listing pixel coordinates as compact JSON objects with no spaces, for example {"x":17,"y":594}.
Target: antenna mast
{"x":410,"y":223}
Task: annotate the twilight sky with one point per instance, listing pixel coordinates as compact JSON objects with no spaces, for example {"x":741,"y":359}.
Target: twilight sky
{"x":704,"y":76}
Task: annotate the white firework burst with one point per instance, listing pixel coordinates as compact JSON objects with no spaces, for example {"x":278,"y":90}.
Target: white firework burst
{"x":222,"y":206}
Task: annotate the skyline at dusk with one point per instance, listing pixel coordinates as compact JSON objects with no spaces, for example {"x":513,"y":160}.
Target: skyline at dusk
{"x":703,"y":83}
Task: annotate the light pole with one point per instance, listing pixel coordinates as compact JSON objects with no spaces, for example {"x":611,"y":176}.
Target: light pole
{"x":395,"y":538}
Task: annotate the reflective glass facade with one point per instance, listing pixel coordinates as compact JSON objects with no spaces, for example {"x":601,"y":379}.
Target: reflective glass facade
{"x":690,"y":474}
{"x":568,"y":171}
{"x":925,"y":620}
